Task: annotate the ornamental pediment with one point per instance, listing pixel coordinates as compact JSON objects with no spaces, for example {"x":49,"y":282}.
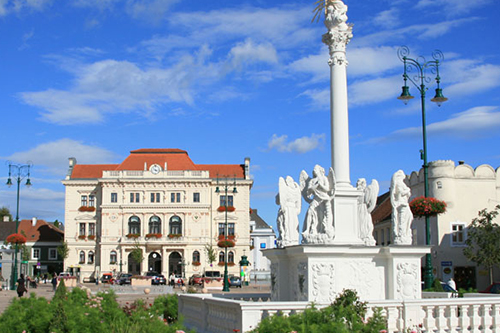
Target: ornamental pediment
{"x":85,"y":217}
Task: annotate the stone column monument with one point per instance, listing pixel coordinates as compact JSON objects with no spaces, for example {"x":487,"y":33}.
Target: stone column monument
{"x":338,"y":251}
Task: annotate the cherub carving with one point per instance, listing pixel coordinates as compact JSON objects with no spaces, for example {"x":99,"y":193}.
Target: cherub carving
{"x":289,"y":199}
{"x":401,"y":212}
{"x":319,"y":192}
{"x":366,"y":204}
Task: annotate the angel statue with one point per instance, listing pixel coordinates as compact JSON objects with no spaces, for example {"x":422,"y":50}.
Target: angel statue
{"x":366,"y":204}
{"x":319,"y":192}
{"x":401,"y":212}
{"x":290,"y":202}
{"x":336,"y":16}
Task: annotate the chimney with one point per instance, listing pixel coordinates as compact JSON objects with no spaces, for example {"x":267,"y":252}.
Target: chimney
{"x":33,"y":221}
{"x":72,"y":163}
{"x":461,"y":162}
{"x":247,"y":167}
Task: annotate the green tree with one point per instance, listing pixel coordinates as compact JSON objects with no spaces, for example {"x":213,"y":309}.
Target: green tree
{"x":63,"y":251}
{"x":136,"y":253}
{"x":211,"y":255}
{"x":4,"y":211}
{"x":483,"y":240}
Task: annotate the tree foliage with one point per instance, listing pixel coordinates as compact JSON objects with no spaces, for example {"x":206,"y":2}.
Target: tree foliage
{"x":4,"y":211}
{"x":483,"y":240}
{"x":211,"y":254}
{"x":136,"y":253}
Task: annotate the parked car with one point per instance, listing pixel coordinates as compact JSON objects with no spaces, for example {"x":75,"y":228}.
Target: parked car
{"x":63,"y":275}
{"x":494,"y":288}
{"x":195,"y":279}
{"x":179,"y":280}
{"x":212,"y":274}
{"x":124,"y":278}
{"x":159,"y":280}
{"x":234,"y":281}
{"x":107,"y":278}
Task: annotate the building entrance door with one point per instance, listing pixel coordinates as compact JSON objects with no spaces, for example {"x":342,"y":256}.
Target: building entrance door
{"x":154,"y":262}
{"x":174,"y":263}
{"x":133,"y":266}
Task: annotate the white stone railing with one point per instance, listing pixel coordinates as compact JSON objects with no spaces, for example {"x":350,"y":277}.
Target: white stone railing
{"x":162,"y":174}
{"x":207,"y":313}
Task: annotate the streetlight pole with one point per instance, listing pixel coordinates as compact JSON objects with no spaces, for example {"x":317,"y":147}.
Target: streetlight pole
{"x":419,"y":80}
{"x":226,"y":231}
{"x":18,"y":172}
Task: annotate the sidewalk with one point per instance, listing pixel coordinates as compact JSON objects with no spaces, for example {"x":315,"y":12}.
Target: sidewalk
{"x":45,"y":290}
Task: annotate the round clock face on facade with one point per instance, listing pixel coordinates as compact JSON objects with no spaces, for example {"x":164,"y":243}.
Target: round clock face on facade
{"x":155,"y":168}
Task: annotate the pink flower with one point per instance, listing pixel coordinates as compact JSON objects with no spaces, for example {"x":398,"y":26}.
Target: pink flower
{"x":383,"y":331}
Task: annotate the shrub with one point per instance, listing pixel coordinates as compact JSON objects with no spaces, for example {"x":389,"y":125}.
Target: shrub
{"x":345,"y":315}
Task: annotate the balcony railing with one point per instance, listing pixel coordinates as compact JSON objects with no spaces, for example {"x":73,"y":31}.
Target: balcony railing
{"x":161,"y":174}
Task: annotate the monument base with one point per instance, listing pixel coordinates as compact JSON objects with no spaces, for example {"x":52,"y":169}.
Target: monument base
{"x":318,"y":273}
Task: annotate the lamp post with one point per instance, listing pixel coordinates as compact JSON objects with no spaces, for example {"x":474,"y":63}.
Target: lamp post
{"x":18,"y":172}
{"x":226,"y":231}
{"x":420,"y":79}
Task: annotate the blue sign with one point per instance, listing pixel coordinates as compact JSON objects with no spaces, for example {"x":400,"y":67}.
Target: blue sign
{"x":446,"y":263}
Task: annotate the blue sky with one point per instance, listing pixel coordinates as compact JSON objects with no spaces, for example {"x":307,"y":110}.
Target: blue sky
{"x":225,"y":80}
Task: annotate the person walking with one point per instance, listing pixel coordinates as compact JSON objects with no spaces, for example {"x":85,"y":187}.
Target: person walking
{"x":21,"y":286}
{"x":54,"y":283}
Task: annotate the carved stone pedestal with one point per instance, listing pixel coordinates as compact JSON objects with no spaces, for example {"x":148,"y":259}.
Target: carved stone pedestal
{"x":318,"y":273}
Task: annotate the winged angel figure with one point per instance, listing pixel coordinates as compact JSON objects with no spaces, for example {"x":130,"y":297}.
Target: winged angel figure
{"x":319,"y":192}
{"x":366,"y":204}
{"x":288,"y":220}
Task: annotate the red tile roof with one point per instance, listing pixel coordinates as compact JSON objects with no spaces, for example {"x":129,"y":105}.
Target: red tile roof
{"x":176,"y":159}
{"x":42,"y":231}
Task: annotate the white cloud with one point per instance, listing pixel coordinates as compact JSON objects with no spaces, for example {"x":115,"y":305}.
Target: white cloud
{"x":453,"y":7}
{"x":476,"y":122}
{"x":37,"y":202}
{"x":301,"y":145}
{"x":53,"y":156}
{"x":374,"y":91}
{"x":16,"y":6}
{"x":249,"y":52}
{"x":320,"y":97}
{"x":388,"y":18}
{"x":149,"y":10}
{"x":465,"y":77}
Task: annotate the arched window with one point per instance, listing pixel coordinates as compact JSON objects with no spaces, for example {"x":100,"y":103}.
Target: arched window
{"x":82,"y":257}
{"x":221,"y":256}
{"x":196,"y":256}
{"x":91,"y":257}
{"x":134,"y":225}
{"x":230,"y":257}
{"x":175,"y":225}
{"x":113,"y":257}
{"x":154,"y":225}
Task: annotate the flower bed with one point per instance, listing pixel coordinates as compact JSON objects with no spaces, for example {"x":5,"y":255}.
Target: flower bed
{"x":82,"y":236}
{"x":196,"y":263}
{"x":223,"y":209}
{"x":225,"y":243}
{"x":174,"y":235}
{"x":422,"y":206}
{"x":154,"y":236}
{"x":133,"y":236}
{"x":86,"y":209}
{"x":16,"y":239}
{"x":91,"y":237}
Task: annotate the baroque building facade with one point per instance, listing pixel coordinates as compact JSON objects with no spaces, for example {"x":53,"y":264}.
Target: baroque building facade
{"x":466,"y":191}
{"x":159,"y":202}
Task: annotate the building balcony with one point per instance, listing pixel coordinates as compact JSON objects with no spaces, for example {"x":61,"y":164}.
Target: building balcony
{"x":138,"y":174}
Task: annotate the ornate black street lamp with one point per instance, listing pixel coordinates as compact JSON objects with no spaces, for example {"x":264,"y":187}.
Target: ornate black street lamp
{"x":420,"y":79}
{"x":226,"y":184}
{"x":18,"y":172}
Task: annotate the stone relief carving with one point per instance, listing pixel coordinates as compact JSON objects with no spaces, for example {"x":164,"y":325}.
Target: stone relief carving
{"x":289,"y":199}
{"x":401,"y":212}
{"x":407,"y":281}
{"x":301,"y":290}
{"x":323,"y":283}
{"x":366,"y":204}
{"x":319,"y":192}
{"x":363,"y":277}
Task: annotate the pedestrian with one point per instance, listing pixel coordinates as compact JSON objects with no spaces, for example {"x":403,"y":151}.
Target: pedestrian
{"x":97,"y":279}
{"x":27,"y":282}
{"x":452,"y":284}
{"x":21,"y":287}
{"x":45,"y":278}
{"x":54,"y":282}
{"x":172,"y":280}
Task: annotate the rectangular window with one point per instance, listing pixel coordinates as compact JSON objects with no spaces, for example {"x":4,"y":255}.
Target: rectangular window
{"x":134,"y":197}
{"x":52,"y":254}
{"x":175,"y":197}
{"x":222,"y":229}
{"x":230,"y":229}
{"x":82,"y":229}
{"x":35,"y":253}
{"x":91,"y":229}
{"x":155,"y":197}
{"x":229,"y":200}
{"x":91,"y":201}
{"x":196,"y":197}
{"x":114,"y":197}
{"x":84,"y":201}
{"x":458,"y":234}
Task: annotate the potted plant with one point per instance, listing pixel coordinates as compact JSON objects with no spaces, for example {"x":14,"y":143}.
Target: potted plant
{"x":174,"y":235}
{"x":133,"y":236}
{"x":86,"y":209}
{"x":82,"y":236}
{"x":91,"y":237}
{"x":225,"y":243}
{"x":224,"y":208}
{"x":427,"y":206}
{"x":196,"y":263}
{"x":16,"y":239}
{"x":153,"y":235}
